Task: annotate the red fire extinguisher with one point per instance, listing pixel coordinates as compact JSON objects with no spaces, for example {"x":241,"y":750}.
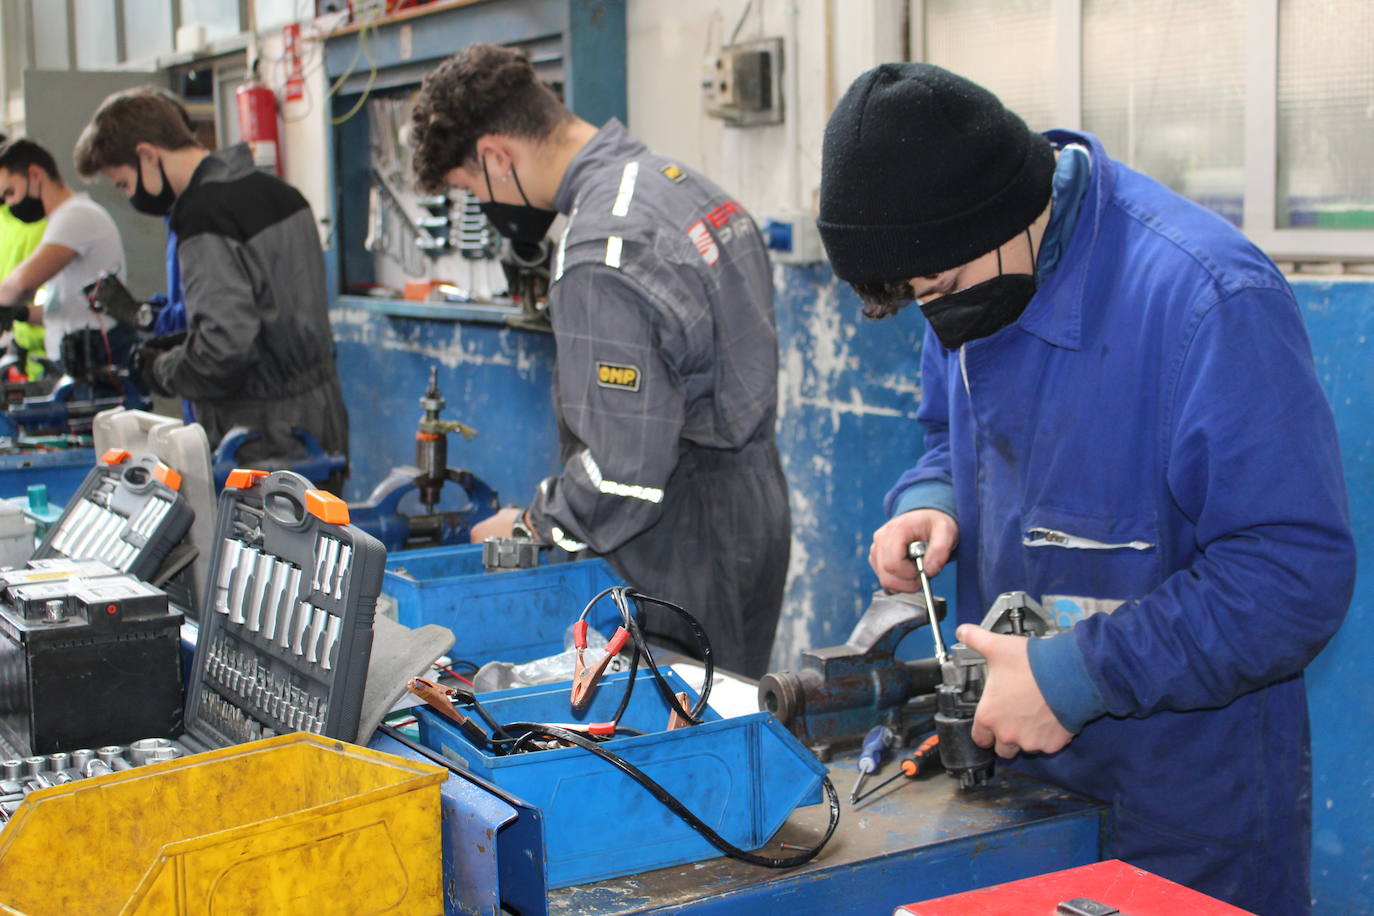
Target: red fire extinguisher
{"x":258,"y":124}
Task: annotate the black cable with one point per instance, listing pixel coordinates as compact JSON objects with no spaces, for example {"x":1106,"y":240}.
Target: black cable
{"x":669,"y":697}
{"x":518,"y":745}
{"x":618,"y":594}
{"x":672,"y":803}
{"x":468,"y":698}
{"x":629,"y":686}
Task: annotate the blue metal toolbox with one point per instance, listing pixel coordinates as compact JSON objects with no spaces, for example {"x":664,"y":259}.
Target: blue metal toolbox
{"x":742,"y":776}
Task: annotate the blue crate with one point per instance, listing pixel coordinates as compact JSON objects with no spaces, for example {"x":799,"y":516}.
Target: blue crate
{"x":742,"y":776}
{"x":63,"y":472}
{"x":512,"y":616}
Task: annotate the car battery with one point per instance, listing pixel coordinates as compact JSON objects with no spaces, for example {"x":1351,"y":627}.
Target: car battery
{"x":128,"y":513}
{"x":88,"y":656}
{"x":286,"y":619}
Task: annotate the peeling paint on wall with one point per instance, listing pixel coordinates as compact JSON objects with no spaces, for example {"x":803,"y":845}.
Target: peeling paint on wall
{"x":848,"y":392}
{"x":411,"y":336}
{"x":496,"y":379}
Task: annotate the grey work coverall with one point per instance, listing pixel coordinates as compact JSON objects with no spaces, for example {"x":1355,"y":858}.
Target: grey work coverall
{"x":662,"y":309}
{"x":259,"y":350}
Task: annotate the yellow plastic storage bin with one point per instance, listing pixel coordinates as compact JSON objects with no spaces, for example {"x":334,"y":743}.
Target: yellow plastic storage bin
{"x":296,"y":824}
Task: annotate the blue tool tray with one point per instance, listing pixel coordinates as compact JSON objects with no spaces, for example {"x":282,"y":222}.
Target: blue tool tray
{"x":510,"y":616}
{"x":742,"y":776}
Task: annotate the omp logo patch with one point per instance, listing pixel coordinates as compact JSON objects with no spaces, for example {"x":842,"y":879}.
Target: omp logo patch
{"x":617,"y":375}
{"x":673,"y":173}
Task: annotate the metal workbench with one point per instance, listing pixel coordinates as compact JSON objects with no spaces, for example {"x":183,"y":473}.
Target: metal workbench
{"x":912,"y":841}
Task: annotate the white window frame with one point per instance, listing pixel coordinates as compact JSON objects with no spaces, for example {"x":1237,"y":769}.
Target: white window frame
{"x":1261,"y":128}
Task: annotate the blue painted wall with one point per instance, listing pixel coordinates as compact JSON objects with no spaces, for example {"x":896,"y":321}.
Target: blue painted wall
{"x":847,"y":402}
{"x":497,"y":380}
{"x":1340,"y":319}
{"x":847,"y":398}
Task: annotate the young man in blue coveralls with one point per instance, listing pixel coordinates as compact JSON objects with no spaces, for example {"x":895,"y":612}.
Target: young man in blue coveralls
{"x":1116,"y":390}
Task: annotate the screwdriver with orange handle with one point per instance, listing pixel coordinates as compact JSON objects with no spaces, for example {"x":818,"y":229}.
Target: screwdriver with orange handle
{"x":919,"y":761}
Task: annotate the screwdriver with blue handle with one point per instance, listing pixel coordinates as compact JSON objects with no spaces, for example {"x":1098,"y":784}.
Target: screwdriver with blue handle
{"x":913,"y":766}
{"x":876,"y":743}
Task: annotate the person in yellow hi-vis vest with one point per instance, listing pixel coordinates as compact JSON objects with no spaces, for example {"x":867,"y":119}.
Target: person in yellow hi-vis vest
{"x":18,"y":239}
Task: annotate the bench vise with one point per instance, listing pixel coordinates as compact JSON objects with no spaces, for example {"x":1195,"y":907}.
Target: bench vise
{"x":838,"y":694}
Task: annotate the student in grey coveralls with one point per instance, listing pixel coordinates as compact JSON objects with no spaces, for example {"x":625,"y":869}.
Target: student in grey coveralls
{"x":662,"y":307}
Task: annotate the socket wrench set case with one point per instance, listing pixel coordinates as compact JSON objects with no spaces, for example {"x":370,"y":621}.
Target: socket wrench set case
{"x":128,"y":514}
{"x":286,"y":629}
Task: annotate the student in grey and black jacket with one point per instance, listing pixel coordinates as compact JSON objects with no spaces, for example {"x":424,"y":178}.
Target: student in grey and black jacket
{"x":258,"y":350}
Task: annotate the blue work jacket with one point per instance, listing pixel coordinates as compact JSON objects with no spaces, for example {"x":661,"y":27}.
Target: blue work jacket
{"x":1147,"y":450}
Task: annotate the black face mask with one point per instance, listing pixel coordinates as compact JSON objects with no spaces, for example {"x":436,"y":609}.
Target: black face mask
{"x":981,"y":310}
{"x":159,"y":204}
{"x":523,"y":225}
{"x":28,"y":209}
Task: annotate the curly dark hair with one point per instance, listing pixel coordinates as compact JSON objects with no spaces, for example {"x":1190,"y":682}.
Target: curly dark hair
{"x":882,"y":300}
{"x":483,"y":89}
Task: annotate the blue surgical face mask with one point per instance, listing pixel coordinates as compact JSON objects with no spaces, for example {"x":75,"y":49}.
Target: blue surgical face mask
{"x":28,"y":209}
{"x":982,"y":309}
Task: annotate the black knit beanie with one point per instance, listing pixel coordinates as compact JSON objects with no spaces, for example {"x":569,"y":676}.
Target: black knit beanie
{"x":922,"y":171}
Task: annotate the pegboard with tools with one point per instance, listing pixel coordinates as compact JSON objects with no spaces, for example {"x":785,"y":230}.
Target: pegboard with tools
{"x":128,"y":513}
{"x":287,"y":633}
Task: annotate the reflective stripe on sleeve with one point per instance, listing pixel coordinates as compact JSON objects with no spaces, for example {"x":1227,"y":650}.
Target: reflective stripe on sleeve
{"x":561,"y":255}
{"x":614,"y":488}
{"x":567,"y":543}
{"x":621,"y":207}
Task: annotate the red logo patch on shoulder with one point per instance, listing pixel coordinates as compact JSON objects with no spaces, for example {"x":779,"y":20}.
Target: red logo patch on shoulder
{"x":706,"y":245}
{"x":722,"y":214}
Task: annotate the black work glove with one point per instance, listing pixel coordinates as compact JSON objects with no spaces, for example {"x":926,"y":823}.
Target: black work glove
{"x":166,"y":341}
{"x":141,"y":368}
{"x":108,"y":294}
{"x":9,"y":314}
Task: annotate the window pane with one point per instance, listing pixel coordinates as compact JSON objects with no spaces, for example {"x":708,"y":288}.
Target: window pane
{"x":1164,"y":88}
{"x":147,"y":29}
{"x":1005,"y":45}
{"x":14,"y":19}
{"x":49,"y":35}
{"x":220,"y":17}
{"x":95,"y":34}
{"x":1326,"y":114}
{"x":268,"y":14}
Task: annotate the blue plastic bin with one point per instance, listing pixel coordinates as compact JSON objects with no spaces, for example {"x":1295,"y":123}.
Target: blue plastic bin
{"x":62,"y":471}
{"x":742,"y":776}
{"x":512,"y":616}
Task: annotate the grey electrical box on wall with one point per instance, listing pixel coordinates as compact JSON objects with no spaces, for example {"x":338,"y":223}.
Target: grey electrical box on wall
{"x":743,"y":85}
